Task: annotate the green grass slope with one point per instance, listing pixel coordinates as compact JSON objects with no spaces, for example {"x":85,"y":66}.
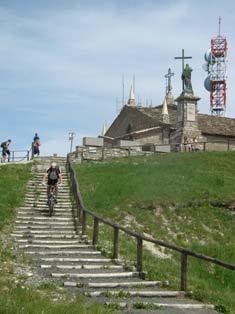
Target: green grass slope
{"x":15,"y":296}
{"x":187,"y":199}
{"x":12,"y":188}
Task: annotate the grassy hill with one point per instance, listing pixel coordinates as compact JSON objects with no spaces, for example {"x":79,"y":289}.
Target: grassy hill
{"x":15,"y":296}
{"x":187,"y":199}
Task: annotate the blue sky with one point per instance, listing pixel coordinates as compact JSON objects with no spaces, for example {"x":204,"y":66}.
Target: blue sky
{"x":61,"y":62}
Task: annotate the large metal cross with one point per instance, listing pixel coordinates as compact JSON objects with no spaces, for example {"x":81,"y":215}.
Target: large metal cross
{"x":183,"y":58}
{"x":168,"y":78}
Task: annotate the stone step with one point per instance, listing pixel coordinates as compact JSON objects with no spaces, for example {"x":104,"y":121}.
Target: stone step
{"x":56,"y":246}
{"x":57,"y":206}
{"x":32,"y":210}
{"x":136,"y":293}
{"x":121,"y":284}
{"x":97,"y":275}
{"x":44,"y":218}
{"x":49,"y":242}
{"x":181,"y":306}
{"x":76,"y":259}
{"x":60,"y":203}
{"x":62,"y":252}
{"x":42,"y":231}
{"x":36,"y":186}
{"x":82,"y":266}
{"x":46,"y":237}
{"x":31,"y":214}
{"x":46,"y":222}
{"x":33,"y":192}
{"x":63,"y":199}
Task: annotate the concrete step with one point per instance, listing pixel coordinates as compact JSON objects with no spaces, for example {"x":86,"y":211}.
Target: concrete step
{"x":63,"y":199}
{"x":90,"y":259}
{"x":55,"y":246}
{"x":45,"y":206}
{"x":31,"y":214}
{"x":48,"y":222}
{"x":32,"y":210}
{"x":180,"y":306}
{"x":44,"y":218}
{"x":63,"y":252}
{"x":49,"y":242}
{"x":51,"y":237}
{"x":96,"y":275}
{"x":45,"y":235}
{"x":82,"y":266}
{"x":32,"y":192}
{"x":136,"y":293}
{"x":120,"y":284}
{"x":43,"y":231}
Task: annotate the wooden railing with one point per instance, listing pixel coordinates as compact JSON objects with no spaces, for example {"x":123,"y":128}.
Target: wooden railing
{"x":20,"y":155}
{"x":81,"y":218}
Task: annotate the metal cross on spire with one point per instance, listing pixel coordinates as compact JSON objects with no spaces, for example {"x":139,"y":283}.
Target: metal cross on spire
{"x":183,"y":57}
{"x":168,"y":80}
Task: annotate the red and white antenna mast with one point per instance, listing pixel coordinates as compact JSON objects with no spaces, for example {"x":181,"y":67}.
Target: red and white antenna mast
{"x":215,"y":83}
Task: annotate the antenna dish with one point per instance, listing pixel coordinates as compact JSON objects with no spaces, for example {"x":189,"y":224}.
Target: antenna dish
{"x":205,"y":67}
{"x":207,"y":84}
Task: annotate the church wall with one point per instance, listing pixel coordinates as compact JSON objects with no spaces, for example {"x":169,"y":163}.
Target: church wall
{"x":219,"y":143}
{"x":129,"y":118}
{"x":156,"y":136}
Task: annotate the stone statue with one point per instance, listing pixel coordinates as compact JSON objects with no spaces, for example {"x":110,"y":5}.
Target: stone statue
{"x":186,"y":77}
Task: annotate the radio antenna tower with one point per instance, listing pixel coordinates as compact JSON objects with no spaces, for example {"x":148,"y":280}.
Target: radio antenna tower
{"x":215,"y":83}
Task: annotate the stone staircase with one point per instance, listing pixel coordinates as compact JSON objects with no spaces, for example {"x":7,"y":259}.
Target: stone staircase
{"x":67,"y":258}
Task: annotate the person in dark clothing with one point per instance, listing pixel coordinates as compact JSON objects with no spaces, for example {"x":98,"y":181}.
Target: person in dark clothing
{"x":36,"y":137}
{"x":36,"y":144}
{"x":53,"y":177}
{"x":6,"y":150}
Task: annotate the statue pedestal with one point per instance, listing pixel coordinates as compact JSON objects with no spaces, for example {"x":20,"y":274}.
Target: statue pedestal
{"x":186,"y":119}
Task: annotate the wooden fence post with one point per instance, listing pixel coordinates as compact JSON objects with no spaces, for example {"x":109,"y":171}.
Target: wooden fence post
{"x":102,"y":152}
{"x":82,"y":156}
{"x":228,"y":145}
{"x":95,"y":231}
{"x":204,"y":146}
{"x":139,"y":260}
{"x":115,"y":242}
{"x":84,"y":222}
{"x":184,"y":266}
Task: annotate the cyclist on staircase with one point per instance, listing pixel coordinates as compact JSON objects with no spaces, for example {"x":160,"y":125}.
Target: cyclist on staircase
{"x":53,"y":177}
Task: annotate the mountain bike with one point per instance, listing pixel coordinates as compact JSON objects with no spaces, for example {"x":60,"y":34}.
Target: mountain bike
{"x":51,"y":200}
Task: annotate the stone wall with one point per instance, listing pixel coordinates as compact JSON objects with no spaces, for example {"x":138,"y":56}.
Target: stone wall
{"x":99,"y":154}
{"x":219,"y":143}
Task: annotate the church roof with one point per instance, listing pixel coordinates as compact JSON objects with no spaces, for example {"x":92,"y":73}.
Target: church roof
{"x":156,"y":113}
{"x":207,"y":124}
{"x":143,"y":118}
{"x":216,"y":125}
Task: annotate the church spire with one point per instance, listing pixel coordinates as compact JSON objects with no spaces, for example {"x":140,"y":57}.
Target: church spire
{"x":165,"y":114}
{"x":104,"y":129}
{"x":131,"y":100}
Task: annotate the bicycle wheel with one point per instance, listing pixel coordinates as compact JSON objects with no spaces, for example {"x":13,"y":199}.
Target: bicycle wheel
{"x":51,"y":206}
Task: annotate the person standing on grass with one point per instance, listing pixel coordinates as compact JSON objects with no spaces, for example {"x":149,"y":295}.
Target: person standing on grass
{"x":6,"y":150}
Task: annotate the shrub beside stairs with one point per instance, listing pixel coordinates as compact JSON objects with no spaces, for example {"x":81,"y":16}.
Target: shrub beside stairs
{"x":72,"y":261}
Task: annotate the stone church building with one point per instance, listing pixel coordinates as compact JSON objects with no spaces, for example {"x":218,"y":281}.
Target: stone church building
{"x":171,"y":123}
